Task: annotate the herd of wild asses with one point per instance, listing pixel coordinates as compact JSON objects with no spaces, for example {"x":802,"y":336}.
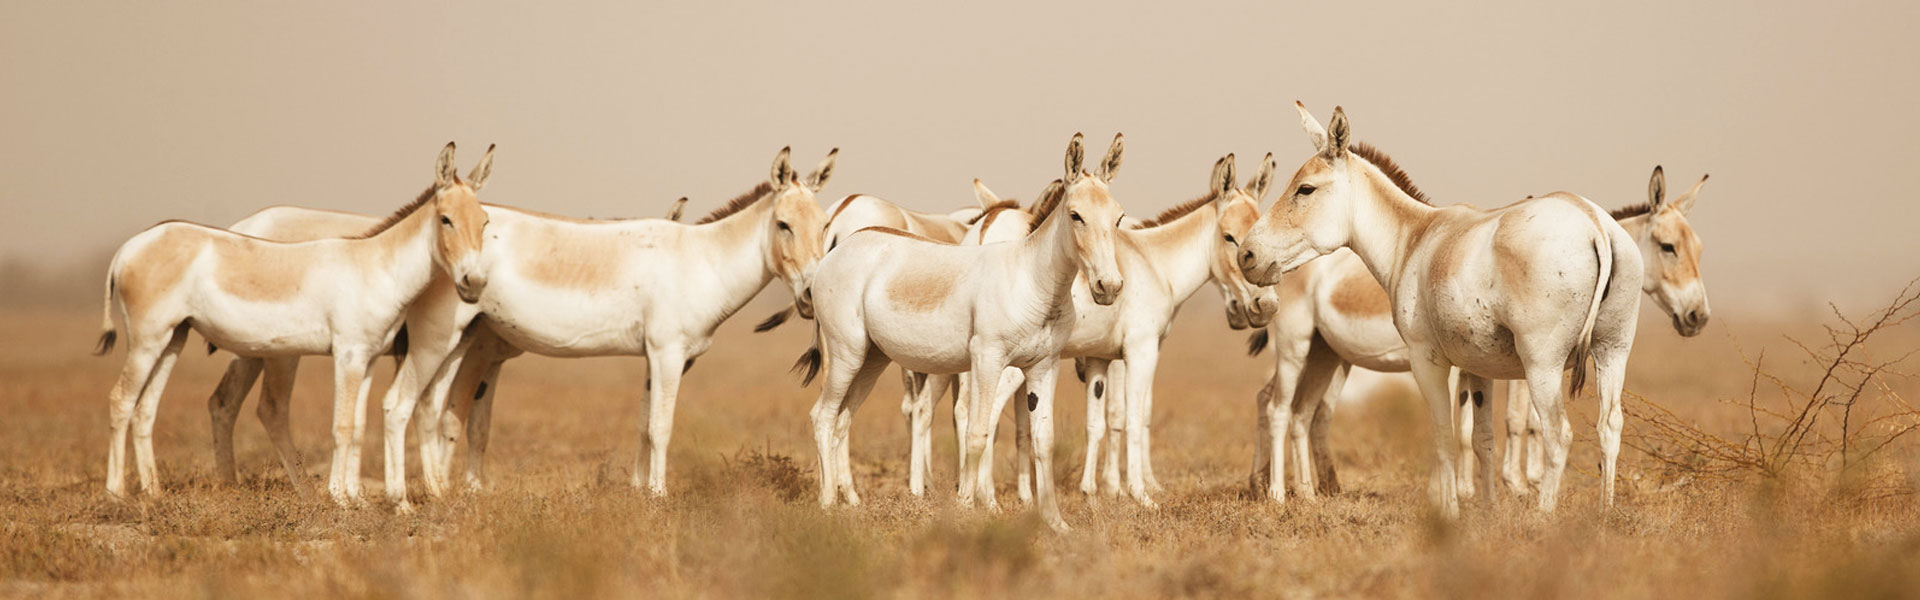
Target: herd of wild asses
{"x":1350,"y":265}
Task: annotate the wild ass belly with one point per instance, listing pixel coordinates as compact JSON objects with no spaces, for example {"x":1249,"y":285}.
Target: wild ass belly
{"x":565,"y":323}
{"x":1467,"y":329}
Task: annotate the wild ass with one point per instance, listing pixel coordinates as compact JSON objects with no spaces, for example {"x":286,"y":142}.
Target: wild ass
{"x":855,"y":212}
{"x":888,"y":296}
{"x":646,"y":287}
{"x":265,"y":299}
{"x":299,"y":224}
{"x":1164,"y":260}
{"x":1332,"y":310}
{"x":1517,"y":292}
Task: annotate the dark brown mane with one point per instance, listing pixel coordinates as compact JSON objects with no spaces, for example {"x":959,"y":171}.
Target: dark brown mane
{"x":1629,"y":212}
{"x":1390,"y":168}
{"x":1008,"y":204}
{"x":738,"y":204}
{"x":911,"y":236}
{"x":398,"y":215}
{"x":1048,"y":201}
{"x":1179,"y":210}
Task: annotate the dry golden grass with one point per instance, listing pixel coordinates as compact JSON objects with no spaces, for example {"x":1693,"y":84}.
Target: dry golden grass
{"x":741,"y":521}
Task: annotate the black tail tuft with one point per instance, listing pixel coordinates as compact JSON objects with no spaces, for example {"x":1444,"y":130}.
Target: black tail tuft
{"x":106,"y":342}
{"x":776,"y":320}
{"x":809,"y":363}
{"x":1080,"y":369}
{"x":400,"y":342}
{"x":1257,"y":342}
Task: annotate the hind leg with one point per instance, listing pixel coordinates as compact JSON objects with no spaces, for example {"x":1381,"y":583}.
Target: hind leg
{"x":857,"y":392}
{"x":223,"y":409}
{"x":1610,"y":364}
{"x":143,"y":354}
{"x":1477,"y":438}
{"x":1543,"y":382}
{"x":1316,"y":376}
{"x":1111,"y":482}
{"x":1096,"y":372}
{"x":962,"y":408}
{"x":841,"y":364}
{"x":149,"y":408}
{"x":1513,"y":464}
{"x":1325,"y":475}
{"x":480,"y":425}
{"x":276,"y":399}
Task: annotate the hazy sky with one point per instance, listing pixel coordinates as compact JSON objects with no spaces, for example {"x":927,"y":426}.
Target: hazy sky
{"x":114,"y":116}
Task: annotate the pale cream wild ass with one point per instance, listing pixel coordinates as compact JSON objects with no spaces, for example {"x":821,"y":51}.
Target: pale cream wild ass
{"x":1164,"y":261}
{"x":647,"y":287}
{"x":887,"y":296}
{"x":258,"y":298}
{"x":1331,"y":310}
{"x":299,"y":224}
{"x":1518,"y":292}
{"x":855,"y":212}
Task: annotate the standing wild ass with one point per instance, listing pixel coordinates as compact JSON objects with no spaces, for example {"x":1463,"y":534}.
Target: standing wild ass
{"x":888,"y":296}
{"x":1164,"y":261}
{"x":644,"y":287}
{"x":258,"y":298}
{"x":1524,"y":291}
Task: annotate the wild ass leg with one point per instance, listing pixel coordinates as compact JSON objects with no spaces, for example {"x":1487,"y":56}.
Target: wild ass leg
{"x":841,"y":365}
{"x":1610,"y":364}
{"x":989,"y":371}
{"x":664,"y":365}
{"x":480,"y":425}
{"x":1023,"y":444}
{"x":962,"y":408}
{"x":922,"y":391}
{"x":276,"y":402}
{"x":1432,"y":377}
{"x":1316,"y":377}
{"x":1096,"y":373}
{"x":348,"y":373}
{"x":1325,"y":475}
{"x":223,"y":408}
{"x":1290,"y":360}
{"x":1040,"y":383}
{"x":1463,"y":423}
{"x":143,"y":354}
{"x":1477,"y":443}
{"x":1519,"y":414}
{"x":149,"y":408}
{"x":1111,"y":482}
{"x":1142,"y":359}
{"x":1543,"y":382}
{"x":870,"y":370}
{"x":423,"y":372}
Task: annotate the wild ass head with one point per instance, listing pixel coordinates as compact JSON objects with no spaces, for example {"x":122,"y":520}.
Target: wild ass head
{"x":1093,"y":217}
{"x":1248,"y":305}
{"x":462,"y":222}
{"x":796,"y":225}
{"x":1671,"y":253}
{"x":1314,"y":213}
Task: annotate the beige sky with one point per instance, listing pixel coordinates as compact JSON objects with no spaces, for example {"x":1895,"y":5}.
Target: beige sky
{"x":114,"y":116}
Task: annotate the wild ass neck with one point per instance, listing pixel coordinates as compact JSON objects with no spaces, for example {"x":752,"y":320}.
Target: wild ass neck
{"x":735,"y":254}
{"x":1180,"y":251}
{"x":1386,"y":221}
{"x":403,"y":252}
{"x":1055,"y":261}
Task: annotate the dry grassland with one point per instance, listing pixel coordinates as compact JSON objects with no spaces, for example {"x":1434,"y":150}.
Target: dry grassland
{"x":741,"y":521}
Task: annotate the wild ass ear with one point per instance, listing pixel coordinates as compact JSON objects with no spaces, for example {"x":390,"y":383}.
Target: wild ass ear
{"x":1339,"y":135}
{"x":782,"y":171}
{"x":1262,"y":180}
{"x":818,"y":178}
{"x":984,"y":196}
{"x":1315,"y":133}
{"x":444,"y":173}
{"x":1076,"y":154}
{"x":1110,"y":166}
{"x":1685,"y":202}
{"x":673,"y":213}
{"x":477,"y":178}
{"x":1223,"y":177}
{"x":1657,"y":188}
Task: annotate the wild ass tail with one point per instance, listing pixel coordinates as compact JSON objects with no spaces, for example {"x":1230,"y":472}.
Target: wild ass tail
{"x":810,"y":360}
{"x":774,"y":320}
{"x":1257,"y":342}
{"x":106,"y":319}
{"x":1603,"y":249}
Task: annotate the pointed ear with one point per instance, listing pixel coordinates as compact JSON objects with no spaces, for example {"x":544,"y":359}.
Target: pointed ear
{"x":1262,"y":180}
{"x":1685,"y":202}
{"x":1339,"y":135}
{"x":984,"y":196}
{"x":1315,"y":133}
{"x":444,"y":173}
{"x":1657,"y":188}
{"x":824,"y":171}
{"x":782,"y":172}
{"x":673,"y":213}
{"x":1223,"y":177}
{"x":1110,"y":166}
{"x":477,"y":178}
{"x":1076,"y":154}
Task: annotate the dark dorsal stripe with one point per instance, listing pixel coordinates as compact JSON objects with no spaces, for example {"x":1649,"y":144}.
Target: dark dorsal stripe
{"x":1044,"y":206}
{"x":911,"y":236}
{"x":1391,"y":169}
{"x":397,"y":215}
{"x":1631,"y":211}
{"x":738,"y":204}
{"x":1179,"y":210}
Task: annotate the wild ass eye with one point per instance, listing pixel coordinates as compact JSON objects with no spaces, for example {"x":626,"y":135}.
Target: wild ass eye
{"x":1666,"y":247}
{"x":446,"y":221}
{"x":1229,"y":238}
{"x":1305,"y":190}
{"x":783,"y":226}
{"x":1076,"y":216}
